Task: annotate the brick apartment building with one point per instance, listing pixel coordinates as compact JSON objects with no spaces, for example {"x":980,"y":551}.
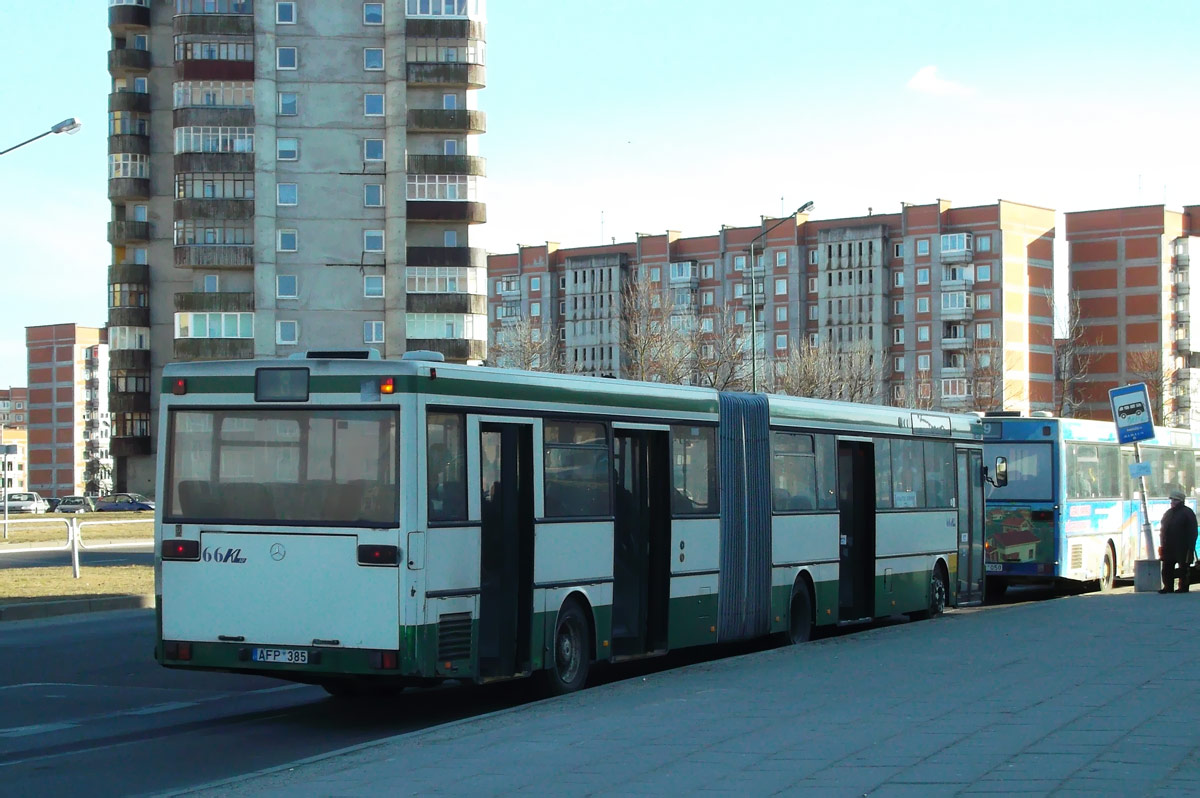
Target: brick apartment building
{"x":68,"y":429}
{"x":288,"y":176}
{"x":956,"y":304}
{"x":1131,"y":272}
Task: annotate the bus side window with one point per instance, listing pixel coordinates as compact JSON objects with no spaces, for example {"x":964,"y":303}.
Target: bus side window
{"x":883,"y":473}
{"x":826,"y":472}
{"x":908,"y":474}
{"x":446,"y":466}
{"x":793,"y":472}
{"x":694,"y":470}
{"x":577,"y":471}
{"x":939,"y":474}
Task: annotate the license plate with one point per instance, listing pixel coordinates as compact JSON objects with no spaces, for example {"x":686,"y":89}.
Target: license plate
{"x":991,"y":567}
{"x":291,"y":656}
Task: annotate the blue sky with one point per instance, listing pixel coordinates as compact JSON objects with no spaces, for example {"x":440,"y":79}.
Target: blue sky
{"x":659,"y":118}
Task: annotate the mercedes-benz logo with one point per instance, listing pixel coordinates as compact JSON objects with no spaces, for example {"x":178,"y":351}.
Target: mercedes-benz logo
{"x":278,"y":552}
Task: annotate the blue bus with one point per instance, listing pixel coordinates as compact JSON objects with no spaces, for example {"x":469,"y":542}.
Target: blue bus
{"x":1070,"y":512}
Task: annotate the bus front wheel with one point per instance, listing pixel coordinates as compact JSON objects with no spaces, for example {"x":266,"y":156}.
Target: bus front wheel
{"x":571,"y":656}
{"x":1108,"y":571}
{"x":938,"y":595}
{"x":800,"y":623}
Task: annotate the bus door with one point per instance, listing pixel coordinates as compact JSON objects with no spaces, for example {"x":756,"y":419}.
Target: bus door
{"x":970,"y":526}
{"x":506,"y":549}
{"x":856,"y":508}
{"x":641,"y":541}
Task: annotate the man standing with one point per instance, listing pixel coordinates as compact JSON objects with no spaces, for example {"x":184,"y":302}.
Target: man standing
{"x":1177,"y":536}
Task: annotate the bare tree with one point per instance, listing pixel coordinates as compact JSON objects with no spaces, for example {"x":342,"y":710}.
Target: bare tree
{"x":1072,"y":360}
{"x":852,"y":373}
{"x":720,"y":357}
{"x":527,"y":344}
{"x":1147,"y":365}
{"x":654,"y":345}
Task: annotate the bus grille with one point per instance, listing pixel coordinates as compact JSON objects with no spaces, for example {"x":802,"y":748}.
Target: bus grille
{"x":454,"y":636}
{"x":1076,"y":556}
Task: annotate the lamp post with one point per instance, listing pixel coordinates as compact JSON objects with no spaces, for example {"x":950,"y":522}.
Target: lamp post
{"x":68,"y":126}
{"x":805,"y":208}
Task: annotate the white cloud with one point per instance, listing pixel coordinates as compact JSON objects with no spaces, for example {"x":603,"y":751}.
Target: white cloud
{"x":926,"y":81}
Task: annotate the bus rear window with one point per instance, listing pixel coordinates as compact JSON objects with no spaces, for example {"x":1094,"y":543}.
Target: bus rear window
{"x":297,"y":467}
{"x":1030,"y":475}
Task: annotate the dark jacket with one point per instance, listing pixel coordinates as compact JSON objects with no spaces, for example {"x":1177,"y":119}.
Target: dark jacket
{"x":1179,"y":532}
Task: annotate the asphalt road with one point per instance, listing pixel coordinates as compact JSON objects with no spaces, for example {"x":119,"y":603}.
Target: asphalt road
{"x":138,"y":554}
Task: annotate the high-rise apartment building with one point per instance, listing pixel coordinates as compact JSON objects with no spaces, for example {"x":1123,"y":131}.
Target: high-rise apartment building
{"x":13,"y":407}
{"x":288,"y":176}
{"x":1131,"y":273}
{"x":954,"y":305}
{"x":68,"y":430}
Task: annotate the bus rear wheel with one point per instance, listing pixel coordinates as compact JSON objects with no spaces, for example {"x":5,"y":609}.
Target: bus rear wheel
{"x":571,"y":654}
{"x":1108,"y":571}
{"x":800,"y":623}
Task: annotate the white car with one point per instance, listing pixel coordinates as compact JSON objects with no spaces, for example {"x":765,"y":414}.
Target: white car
{"x":27,"y":503}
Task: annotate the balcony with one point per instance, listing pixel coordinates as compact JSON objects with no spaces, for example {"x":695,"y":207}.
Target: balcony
{"x":445,"y":28}
{"x":465,"y":304}
{"x":507,"y":288}
{"x":214,"y":348}
{"x":126,"y":16}
{"x":129,"y":402}
{"x":456,"y":350}
{"x":446,"y":211}
{"x":214,"y":162}
{"x":128,"y":272}
{"x":216,"y":24}
{"x":959,"y":312}
{"x":126,"y":60}
{"x":951,"y":372}
{"x":1183,"y":316}
{"x":447,"y":165}
{"x":1182,"y":288}
{"x":1183,"y":345}
{"x":214,"y":209}
{"x":961,"y":283}
{"x":122,"y":233}
{"x":438,"y":120}
{"x":464,"y":257}
{"x":129,"y":317}
{"x":129,"y":359}
{"x":132,"y":143}
{"x":956,"y":343}
{"x":958,"y":256}
{"x":129,"y":188}
{"x":129,"y":447}
{"x":215,"y":255}
{"x":469,"y":76}
{"x":220,"y":116}
{"x":207,"y":301}
{"x":129,"y":101}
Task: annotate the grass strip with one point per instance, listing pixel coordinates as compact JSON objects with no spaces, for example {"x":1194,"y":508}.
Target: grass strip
{"x":21,"y":585}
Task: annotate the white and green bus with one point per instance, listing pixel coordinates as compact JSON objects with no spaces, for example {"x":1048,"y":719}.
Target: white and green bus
{"x":343,"y":520}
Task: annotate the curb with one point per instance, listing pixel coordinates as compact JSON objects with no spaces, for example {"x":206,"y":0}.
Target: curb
{"x":53,"y":609}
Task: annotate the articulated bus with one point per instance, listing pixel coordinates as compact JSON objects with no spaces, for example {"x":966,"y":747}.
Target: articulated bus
{"x":1070,"y":511}
{"x":354,"y":522}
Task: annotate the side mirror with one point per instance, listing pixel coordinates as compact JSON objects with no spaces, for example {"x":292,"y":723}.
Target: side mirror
{"x":1001,"y":472}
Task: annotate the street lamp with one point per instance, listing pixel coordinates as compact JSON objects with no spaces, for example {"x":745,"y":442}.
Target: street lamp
{"x":68,"y":126}
{"x":805,"y":208}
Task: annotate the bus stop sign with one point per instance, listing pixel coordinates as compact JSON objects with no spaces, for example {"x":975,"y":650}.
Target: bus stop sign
{"x":1131,"y":413}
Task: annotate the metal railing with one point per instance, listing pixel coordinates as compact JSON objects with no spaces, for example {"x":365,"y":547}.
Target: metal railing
{"x":74,"y":542}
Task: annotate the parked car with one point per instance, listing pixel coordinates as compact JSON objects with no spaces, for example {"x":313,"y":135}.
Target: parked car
{"x":51,"y":503}
{"x":75,"y":504}
{"x":123,"y":503}
{"x":26,"y":503}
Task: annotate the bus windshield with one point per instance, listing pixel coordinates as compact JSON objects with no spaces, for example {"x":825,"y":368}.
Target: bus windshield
{"x":1030,"y":477}
{"x":297,"y":467}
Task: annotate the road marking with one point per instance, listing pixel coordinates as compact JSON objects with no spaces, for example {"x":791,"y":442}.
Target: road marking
{"x":156,"y":708}
{"x":38,"y":728}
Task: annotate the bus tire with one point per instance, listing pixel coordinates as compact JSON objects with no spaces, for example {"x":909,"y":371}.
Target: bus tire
{"x":1108,"y":570}
{"x":938,"y":595}
{"x":994,"y":588}
{"x":800,"y":615}
{"x":570,"y":652}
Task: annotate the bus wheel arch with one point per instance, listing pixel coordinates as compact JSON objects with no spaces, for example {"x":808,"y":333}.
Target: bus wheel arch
{"x":571,"y":646}
{"x":801,"y":610}
{"x":937,"y":593}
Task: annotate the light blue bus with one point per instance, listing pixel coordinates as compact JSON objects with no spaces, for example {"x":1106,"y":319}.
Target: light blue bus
{"x":1070,"y":511}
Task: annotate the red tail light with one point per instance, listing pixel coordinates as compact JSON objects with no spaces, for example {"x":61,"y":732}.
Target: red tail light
{"x":385,"y":660}
{"x":180,"y":549}
{"x":179,"y":386}
{"x":387,"y":385}
{"x":373,"y":554}
{"x":175,"y":650}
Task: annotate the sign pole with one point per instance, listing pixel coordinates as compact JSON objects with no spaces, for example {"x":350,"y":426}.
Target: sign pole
{"x":1147,"y":534}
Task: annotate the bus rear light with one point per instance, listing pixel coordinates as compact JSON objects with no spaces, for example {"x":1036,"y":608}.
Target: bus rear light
{"x":180,"y":549}
{"x":387,"y":385}
{"x":385,"y":660}
{"x":179,"y":386}
{"x":374,"y":554}
{"x":1042,"y":515}
{"x":176,"y":650}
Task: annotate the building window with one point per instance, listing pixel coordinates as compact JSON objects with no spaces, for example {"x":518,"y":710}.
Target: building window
{"x":922,"y":362}
{"x":372,"y":332}
{"x":289,"y":103}
{"x":706,"y":298}
{"x":128,"y":165}
{"x":898,"y":363}
{"x":449,"y":102}
{"x":706,"y":324}
{"x":373,"y":195}
{"x":983,"y":301}
{"x":956,"y":388}
{"x":286,"y":58}
{"x":212,"y":232}
{"x":956,"y":242}
{"x":212,"y":283}
{"x":781,"y":313}
{"x":739,"y":317}
{"x":286,"y":332}
{"x":781,"y":258}
{"x":287,"y":241}
{"x":983,"y":330}
{"x":898,"y":250}
{"x":956,"y":300}
{"x":898,"y":279}
{"x":448,"y":280}
{"x":286,"y":286}
{"x":706,"y":271}
{"x":922,"y":246}
{"x":450,"y":238}
{"x":285,"y":13}
{"x":372,"y":104}
{"x":372,"y":13}
{"x":781,"y":287}
{"x":898,"y":335}
{"x":739,"y":262}
{"x":373,"y":149}
{"x":922,"y":304}
{"x":983,"y":243}
{"x":373,"y":59}
{"x":739,"y":290}
{"x":535,"y":283}
{"x":812,"y":312}
{"x":897,"y":307}
{"x":922,"y":276}
{"x":781,"y":341}
{"x":983,"y":273}
{"x":812,"y":257}
{"x":812,"y":285}
{"x":287,"y":194}
{"x":923,"y":332}
{"x":814,"y":339}
{"x":287,"y":149}
{"x":214,"y":325}
{"x":373,"y":286}
{"x":442,"y":187}
{"x":198,"y":94}
{"x":372,"y":241}
{"x":446,"y":326}
{"x":535,"y":309}
{"x":214,"y":139}
{"x":214,"y":185}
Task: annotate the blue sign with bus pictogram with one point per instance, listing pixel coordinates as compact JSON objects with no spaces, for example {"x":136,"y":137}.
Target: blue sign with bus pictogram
{"x":1132,"y":413}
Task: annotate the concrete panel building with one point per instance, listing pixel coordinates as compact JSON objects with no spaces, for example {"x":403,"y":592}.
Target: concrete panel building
{"x":288,"y":176}
{"x":1131,"y":271}
{"x":956,"y":304}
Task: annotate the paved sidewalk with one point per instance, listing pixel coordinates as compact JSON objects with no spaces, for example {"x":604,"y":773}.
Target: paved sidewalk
{"x":1090,"y":695}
